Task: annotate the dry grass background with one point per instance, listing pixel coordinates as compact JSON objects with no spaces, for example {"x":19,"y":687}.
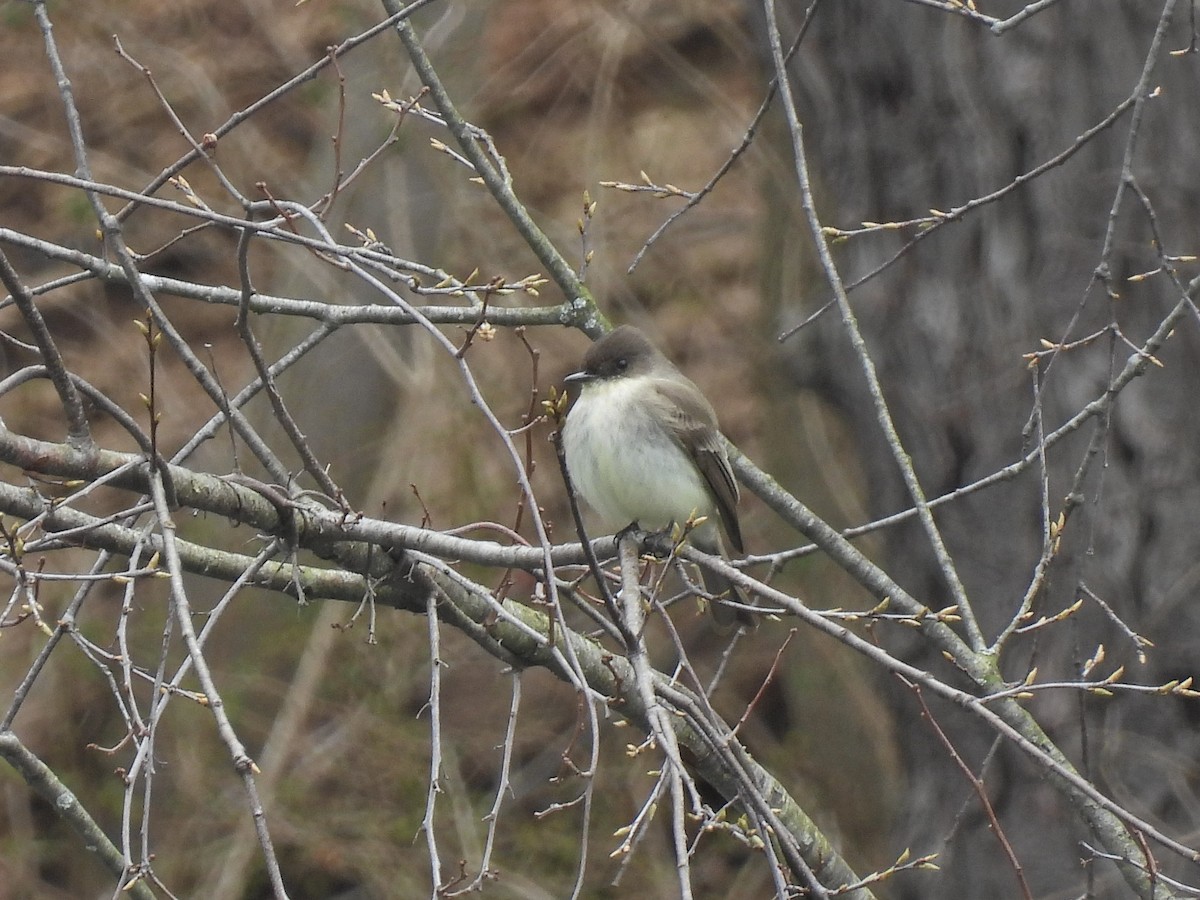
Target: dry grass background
{"x":574,"y":93}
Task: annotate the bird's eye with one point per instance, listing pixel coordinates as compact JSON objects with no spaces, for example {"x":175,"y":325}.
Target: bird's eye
{"x":622,"y":364}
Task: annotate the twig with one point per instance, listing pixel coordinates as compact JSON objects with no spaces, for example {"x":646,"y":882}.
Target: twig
{"x":694,"y":199}
{"x":283,"y":416}
{"x":585,"y":313}
{"x":434,"y":705}
{"x":287,"y":87}
{"x":633,"y":614}
{"x":78,"y":432}
{"x":762,"y":688}
{"x":46,"y":784}
{"x":243,"y":764}
{"x":882,"y":414}
{"x":976,"y":785}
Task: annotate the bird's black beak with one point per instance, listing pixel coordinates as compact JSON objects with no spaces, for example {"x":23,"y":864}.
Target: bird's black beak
{"x":579,"y":378}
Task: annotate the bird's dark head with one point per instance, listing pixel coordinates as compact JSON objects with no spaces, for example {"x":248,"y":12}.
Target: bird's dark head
{"x":623,"y":351}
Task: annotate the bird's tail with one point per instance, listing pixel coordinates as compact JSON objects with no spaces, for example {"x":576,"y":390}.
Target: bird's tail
{"x":724,"y":616}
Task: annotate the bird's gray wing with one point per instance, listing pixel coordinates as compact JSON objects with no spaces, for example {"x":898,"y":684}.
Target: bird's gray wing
{"x":691,"y":420}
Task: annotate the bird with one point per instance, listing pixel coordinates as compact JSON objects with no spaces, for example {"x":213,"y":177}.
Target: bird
{"x":643,"y":447}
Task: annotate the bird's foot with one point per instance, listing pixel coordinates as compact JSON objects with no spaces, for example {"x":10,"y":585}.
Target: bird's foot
{"x":659,"y":544}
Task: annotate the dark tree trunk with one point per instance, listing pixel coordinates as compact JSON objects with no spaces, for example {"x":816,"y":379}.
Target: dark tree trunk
{"x":905,"y":109}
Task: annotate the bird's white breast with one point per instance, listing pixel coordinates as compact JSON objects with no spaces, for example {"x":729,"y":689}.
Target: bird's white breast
{"x":625,"y":464}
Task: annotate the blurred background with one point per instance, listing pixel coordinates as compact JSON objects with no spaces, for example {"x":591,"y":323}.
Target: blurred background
{"x":905,"y":108}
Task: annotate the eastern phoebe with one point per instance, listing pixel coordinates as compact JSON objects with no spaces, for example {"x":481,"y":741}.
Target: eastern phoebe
{"x":643,"y":448}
